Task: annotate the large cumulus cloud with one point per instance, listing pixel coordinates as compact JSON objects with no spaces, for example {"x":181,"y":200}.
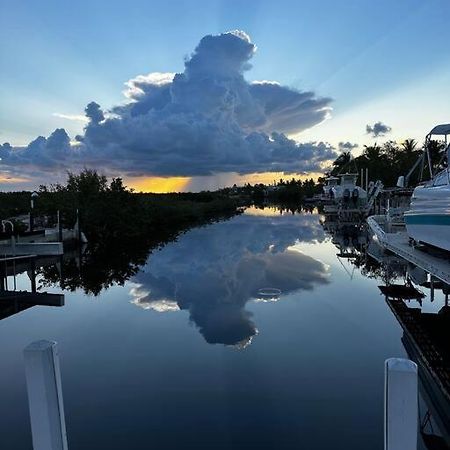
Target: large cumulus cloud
{"x":206,"y":120}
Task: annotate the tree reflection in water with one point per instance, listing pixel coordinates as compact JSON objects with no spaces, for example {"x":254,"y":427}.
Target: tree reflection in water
{"x":210,"y":271}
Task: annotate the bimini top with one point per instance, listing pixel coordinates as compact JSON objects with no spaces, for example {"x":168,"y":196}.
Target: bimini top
{"x":443,"y":129}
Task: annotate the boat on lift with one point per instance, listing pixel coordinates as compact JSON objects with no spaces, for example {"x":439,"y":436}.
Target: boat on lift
{"x":344,"y":196}
{"x":428,"y":219}
{"x":347,"y":192}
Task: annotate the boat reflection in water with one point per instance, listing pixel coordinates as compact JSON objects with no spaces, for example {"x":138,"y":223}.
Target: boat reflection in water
{"x":420,"y":303}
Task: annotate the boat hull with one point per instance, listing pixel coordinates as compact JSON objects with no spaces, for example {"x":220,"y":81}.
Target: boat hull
{"x":428,"y":219}
{"x":432,"y":229}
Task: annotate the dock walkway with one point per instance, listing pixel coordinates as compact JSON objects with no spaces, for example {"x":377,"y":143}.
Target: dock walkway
{"x":437,"y":265}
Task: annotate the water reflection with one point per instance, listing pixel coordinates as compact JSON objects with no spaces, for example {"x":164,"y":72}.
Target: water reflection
{"x":94,"y":271}
{"x":322,"y":348}
{"x":14,"y":300}
{"x":426,"y":330}
{"x":214,"y":272}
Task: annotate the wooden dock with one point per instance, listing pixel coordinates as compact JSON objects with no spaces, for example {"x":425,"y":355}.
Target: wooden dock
{"x":432,"y":261}
{"x":14,"y":248}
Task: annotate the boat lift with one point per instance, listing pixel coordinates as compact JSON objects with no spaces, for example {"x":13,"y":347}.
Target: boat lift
{"x":425,"y":157}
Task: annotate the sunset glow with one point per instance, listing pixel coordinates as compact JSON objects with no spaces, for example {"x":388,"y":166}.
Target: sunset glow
{"x":158,"y":185}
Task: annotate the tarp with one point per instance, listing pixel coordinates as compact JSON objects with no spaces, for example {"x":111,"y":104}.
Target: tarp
{"x":441,"y":129}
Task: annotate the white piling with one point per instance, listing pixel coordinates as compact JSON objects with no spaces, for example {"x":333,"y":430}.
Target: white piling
{"x":400,"y":405}
{"x":45,"y":399}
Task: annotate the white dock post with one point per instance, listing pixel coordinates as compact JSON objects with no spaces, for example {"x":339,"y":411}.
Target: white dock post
{"x":45,"y":399}
{"x":400,"y":405}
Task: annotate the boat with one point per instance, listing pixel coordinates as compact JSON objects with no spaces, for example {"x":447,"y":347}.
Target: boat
{"x":328,"y":188}
{"x":428,"y":219}
{"x":346,"y":192}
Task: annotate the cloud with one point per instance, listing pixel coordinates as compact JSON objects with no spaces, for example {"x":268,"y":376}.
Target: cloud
{"x":94,"y":113}
{"x":73,"y":117}
{"x":213,"y":283}
{"x":208,"y":119}
{"x":52,"y":153}
{"x":378,"y":129}
{"x":347,"y":146}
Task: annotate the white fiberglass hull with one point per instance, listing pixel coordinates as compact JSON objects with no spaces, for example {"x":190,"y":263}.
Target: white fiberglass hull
{"x":436,"y":235}
{"x":428,"y":220}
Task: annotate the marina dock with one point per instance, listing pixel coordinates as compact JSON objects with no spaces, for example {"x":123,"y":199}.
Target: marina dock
{"x":398,"y":243}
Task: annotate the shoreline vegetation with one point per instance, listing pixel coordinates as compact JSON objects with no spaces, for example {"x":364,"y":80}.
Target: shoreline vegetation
{"x":124,"y":227}
{"x":103,"y":204}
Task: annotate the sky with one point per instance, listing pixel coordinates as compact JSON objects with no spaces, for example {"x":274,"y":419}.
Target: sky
{"x":276,"y":97}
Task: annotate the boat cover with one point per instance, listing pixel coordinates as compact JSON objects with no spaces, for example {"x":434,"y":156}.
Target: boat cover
{"x":441,"y":129}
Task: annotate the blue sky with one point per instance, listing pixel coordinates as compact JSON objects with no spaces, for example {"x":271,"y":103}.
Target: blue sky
{"x":379,"y":61}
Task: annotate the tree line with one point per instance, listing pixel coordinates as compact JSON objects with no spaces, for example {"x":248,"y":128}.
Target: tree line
{"x":388,"y":161}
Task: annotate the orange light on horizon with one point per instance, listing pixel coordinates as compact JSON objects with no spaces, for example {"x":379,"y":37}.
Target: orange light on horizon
{"x":8,"y":179}
{"x":163,"y":185}
{"x":158,"y":185}
{"x":274,"y":177}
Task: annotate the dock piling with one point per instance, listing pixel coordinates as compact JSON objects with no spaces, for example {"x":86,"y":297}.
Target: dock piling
{"x":45,"y":396}
{"x":401,"y":410}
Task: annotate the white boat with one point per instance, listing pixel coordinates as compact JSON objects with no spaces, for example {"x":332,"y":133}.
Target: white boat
{"x":347,"y":192}
{"x":330,"y":183}
{"x":327,"y":196}
{"x":428,"y":219}
{"x":343,"y":195}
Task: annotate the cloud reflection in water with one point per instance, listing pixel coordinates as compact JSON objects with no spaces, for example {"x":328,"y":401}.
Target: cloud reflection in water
{"x":214,"y":271}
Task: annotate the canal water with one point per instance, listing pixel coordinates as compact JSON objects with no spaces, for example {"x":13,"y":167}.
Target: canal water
{"x":264,"y":331}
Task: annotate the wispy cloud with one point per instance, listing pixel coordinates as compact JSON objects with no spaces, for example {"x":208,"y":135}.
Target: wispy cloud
{"x":74,"y":117}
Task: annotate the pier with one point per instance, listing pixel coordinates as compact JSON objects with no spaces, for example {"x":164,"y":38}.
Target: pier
{"x":14,"y":248}
{"x":398,"y":243}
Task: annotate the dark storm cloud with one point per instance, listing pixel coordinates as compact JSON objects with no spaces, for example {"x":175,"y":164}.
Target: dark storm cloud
{"x":206,"y":120}
{"x":378,"y":129}
{"x":214,"y":285}
{"x":53,"y":153}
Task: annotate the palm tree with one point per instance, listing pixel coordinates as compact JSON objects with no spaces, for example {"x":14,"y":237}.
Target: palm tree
{"x":409,"y":145}
{"x":435,"y":150}
{"x":372,"y":152}
{"x":341,"y":162}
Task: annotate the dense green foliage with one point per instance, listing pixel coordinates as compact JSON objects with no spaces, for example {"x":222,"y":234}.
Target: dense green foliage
{"x":110,"y":211}
{"x":283,"y":191}
{"x":122,"y":227}
{"x":388,"y":161}
{"x":14,"y":203}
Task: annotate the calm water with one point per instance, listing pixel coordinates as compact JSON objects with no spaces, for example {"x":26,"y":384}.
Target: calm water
{"x":188,"y":354}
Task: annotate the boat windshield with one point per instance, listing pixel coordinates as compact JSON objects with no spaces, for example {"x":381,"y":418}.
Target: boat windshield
{"x":442,"y":178}
{"x":349,"y":179}
{"x":332,"y":182}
